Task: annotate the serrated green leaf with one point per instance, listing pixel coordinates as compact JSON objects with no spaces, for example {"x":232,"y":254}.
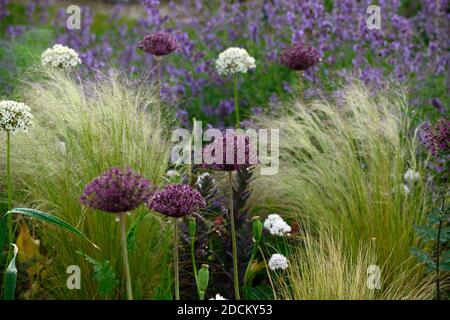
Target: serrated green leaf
{"x":51,"y":219}
{"x":11,"y":277}
{"x":103,"y":275}
{"x":434,"y":216}
{"x":425,"y":233}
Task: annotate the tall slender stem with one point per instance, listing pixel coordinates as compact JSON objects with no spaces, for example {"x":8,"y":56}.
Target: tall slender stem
{"x":236,"y":102}
{"x":194,"y":267}
{"x":125,"y":254}
{"x":176,"y":262}
{"x":233,"y":239}
{"x":301,"y":73}
{"x":10,"y":185}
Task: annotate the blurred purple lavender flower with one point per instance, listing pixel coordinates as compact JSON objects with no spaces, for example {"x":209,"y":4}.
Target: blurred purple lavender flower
{"x":159,"y":43}
{"x":299,"y":57}
{"x":437,"y":138}
{"x":177,"y":200}
{"x":240,"y":144}
{"x":116,"y":191}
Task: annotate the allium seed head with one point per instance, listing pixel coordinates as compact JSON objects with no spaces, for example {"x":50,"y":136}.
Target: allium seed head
{"x":299,"y":57}
{"x":159,"y":43}
{"x":177,"y":200}
{"x":237,"y":152}
{"x":116,"y":191}
{"x":437,"y":138}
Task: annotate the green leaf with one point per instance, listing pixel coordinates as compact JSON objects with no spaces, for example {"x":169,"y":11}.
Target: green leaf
{"x":427,"y":234}
{"x":423,"y":258}
{"x":103,"y":274}
{"x":444,"y":266}
{"x":434,"y":216}
{"x":11,"y":277}
{"x":445,"y":256}
{"x":51,"y":219}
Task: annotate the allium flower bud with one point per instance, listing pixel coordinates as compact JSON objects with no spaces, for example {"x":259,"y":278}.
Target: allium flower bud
{"x":299,"y":57}
{"x":14,"y":116}
{"x":60,"y":56}
{"x":116,"y":191}
{"x":234,"y":60}
{"x":278,"y":261}
{"x":159,"y":43}
{"x":177,"y":200}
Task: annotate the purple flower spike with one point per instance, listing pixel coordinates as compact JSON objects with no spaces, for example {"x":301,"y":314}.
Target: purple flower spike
{"x":116,"y":191}
{"x":159,"y":44}
{"x":244,"y":153}
{"x":299,"y":57}
{"x":177,"y":200}
{"x":437,"y":139}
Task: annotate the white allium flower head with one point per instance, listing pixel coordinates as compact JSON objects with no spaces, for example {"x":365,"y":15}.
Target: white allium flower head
{"x":234,"y":60}
{"x":14,"y":116}
{"x":278,"y":261}
{"x":276,"y":225}
{"x":411,"y":176}
{"x":218,"y":297}
{"x":60,"y":56}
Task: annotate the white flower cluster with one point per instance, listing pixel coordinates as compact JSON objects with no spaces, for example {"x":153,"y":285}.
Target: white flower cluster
{"x":218,"y":297}
{"x":278,"y":261}
{"x":14,"y":116}
{"x":276,"y":225}
{"x":60,"y":56}
{"x":234,"y":60}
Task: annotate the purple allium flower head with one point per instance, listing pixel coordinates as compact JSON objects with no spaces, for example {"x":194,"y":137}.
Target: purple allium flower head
{"x":159,"y":43}
{"x":437,"y":139}
{"x":300,"y":56}
{"x":116,"y":191}
{"x":177,"y":200}
{"x":237,"y":152}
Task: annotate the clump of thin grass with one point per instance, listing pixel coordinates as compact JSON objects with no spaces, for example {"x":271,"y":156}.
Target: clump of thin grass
{"x":322,"y":268}
{"x":81,"y":130}
{"x":342,"y":165}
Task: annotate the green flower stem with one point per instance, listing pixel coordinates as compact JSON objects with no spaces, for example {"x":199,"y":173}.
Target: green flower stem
{"x":301,"y":74}
{"x":125,"y":255}
{"x":236,"y":102}
{"x":233,"y":239}
{"x":194,"y":267}
{"x":10,"y":186}
{"x":176,"y":261}
{"x":158,"y":70}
